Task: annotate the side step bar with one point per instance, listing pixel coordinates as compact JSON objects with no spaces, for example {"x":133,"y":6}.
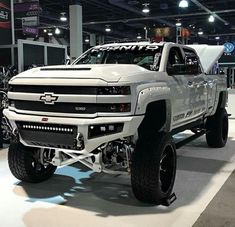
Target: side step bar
{"x":190,"y":139}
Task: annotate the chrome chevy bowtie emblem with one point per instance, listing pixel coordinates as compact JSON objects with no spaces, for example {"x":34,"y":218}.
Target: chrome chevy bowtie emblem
{"x":49,"y":98}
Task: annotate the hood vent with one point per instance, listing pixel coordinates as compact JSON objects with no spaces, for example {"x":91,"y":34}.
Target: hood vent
{"x":65,"y":69}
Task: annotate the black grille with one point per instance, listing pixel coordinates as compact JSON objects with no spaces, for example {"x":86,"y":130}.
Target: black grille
{"x":65,"y":69}
{"x":81,"y":90}
{"x":76,"y":108}
{"x":48,"y":135}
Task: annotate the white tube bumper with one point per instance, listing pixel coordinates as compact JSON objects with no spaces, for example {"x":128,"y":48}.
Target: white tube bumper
{"x":131,"y":124}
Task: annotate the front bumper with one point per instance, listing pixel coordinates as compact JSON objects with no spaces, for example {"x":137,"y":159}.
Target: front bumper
{"x":131,"y":124}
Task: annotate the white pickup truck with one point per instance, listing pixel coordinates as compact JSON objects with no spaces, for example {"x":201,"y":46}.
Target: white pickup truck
{"x":116,"y":110}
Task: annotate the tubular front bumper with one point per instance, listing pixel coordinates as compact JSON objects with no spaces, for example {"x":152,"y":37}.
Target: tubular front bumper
{"x":131,"y":124}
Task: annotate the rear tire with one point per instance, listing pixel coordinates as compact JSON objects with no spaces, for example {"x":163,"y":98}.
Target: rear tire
{"x":217,"y":127}
{"x":153,"y":168}
{"x":25,"y":166}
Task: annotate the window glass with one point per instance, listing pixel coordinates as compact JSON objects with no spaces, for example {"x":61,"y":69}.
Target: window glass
{"x":92,"y":58}
{"x":175,"y":62}
{"x":175,"y":57}
{"x":191,"y":59}
{"x":144,"y":56}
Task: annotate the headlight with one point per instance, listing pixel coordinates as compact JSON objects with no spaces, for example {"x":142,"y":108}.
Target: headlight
{"x":123,"y":90}
{"x":11,"y":103}
{"x":119,"y":108}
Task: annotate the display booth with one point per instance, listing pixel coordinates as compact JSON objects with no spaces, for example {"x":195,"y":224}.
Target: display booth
{"x":27,"y":53}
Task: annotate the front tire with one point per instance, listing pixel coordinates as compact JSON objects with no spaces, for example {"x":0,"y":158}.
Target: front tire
{"x":217,"y":127}
{"x":24,"y":164}
{"x":153,"y":169}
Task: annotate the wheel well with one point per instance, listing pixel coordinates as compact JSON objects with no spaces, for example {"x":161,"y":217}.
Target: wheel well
{"x":154,"y":120}
{"x":222,"y":100}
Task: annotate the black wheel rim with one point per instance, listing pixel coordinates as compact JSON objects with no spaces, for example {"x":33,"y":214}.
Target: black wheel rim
{"x":167,"y":168}
{"x":225,"y":128}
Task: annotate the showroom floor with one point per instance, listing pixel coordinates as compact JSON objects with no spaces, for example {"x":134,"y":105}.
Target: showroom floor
{"x":78,"y":197}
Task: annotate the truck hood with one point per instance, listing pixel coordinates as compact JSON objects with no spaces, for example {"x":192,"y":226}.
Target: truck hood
{"x":108,"y":73}
{"x":208,"y":55}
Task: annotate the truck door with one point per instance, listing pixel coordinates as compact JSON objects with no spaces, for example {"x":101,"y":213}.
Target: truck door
{"x":211,"y":91}
{"x":197,"y":83}
{"x":178,"y":83}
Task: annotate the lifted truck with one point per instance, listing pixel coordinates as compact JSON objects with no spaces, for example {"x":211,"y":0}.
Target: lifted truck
{"x":115,"y":110}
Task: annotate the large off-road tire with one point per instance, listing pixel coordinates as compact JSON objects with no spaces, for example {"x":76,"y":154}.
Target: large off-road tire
{"x":217,"y":127}
{"x":25,"y":166}
{"x":153,"y":168}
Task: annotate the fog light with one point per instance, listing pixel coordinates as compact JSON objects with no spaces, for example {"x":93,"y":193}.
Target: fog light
{"x":103,"y":130}
{"x":111,"y":127}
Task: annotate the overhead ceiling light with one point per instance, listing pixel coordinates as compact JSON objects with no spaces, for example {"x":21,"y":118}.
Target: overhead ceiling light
{"x":226,"y":23}
{"x":87,"y":40}
{"x":63,"y":17}
{"x":57,"y":31}
{"x":44,"y":30}
{"x":50,"y":33}
{"x":200,"y":32}
{"x":183,"y":4}
{"x":146,"y":8}
{"x":139,"y":36}
{"x":211,"y":19}
{"x":178,"y":24}
{"x":217,"y":38}
{"x":107,"y":28}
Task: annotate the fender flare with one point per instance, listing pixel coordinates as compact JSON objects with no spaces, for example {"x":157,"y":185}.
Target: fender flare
{"x":152,"y":95}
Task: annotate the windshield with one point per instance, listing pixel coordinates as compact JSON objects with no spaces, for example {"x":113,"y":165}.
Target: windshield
{"x":144,"y":56}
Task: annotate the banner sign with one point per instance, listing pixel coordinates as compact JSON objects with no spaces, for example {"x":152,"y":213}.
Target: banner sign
{"x":30,"y":30}
{"x":5,"y":22}
{"x":27,"y":9}
{"x":29,"y":21}
{"x":228,"y":58}
{"x":163,"y":32}
{"x":27,"y":16}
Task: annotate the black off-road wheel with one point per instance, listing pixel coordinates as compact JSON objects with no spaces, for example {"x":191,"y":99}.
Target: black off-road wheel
{"x":217,"y":127}
{"x":25,"y":166}
{"x":153,"y":169}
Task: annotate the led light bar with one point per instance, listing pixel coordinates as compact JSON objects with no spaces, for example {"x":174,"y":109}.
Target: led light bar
{"x":47,"y":128}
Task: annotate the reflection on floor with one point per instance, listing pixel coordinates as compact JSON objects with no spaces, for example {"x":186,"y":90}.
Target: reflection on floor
{"x":76,"y":196}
